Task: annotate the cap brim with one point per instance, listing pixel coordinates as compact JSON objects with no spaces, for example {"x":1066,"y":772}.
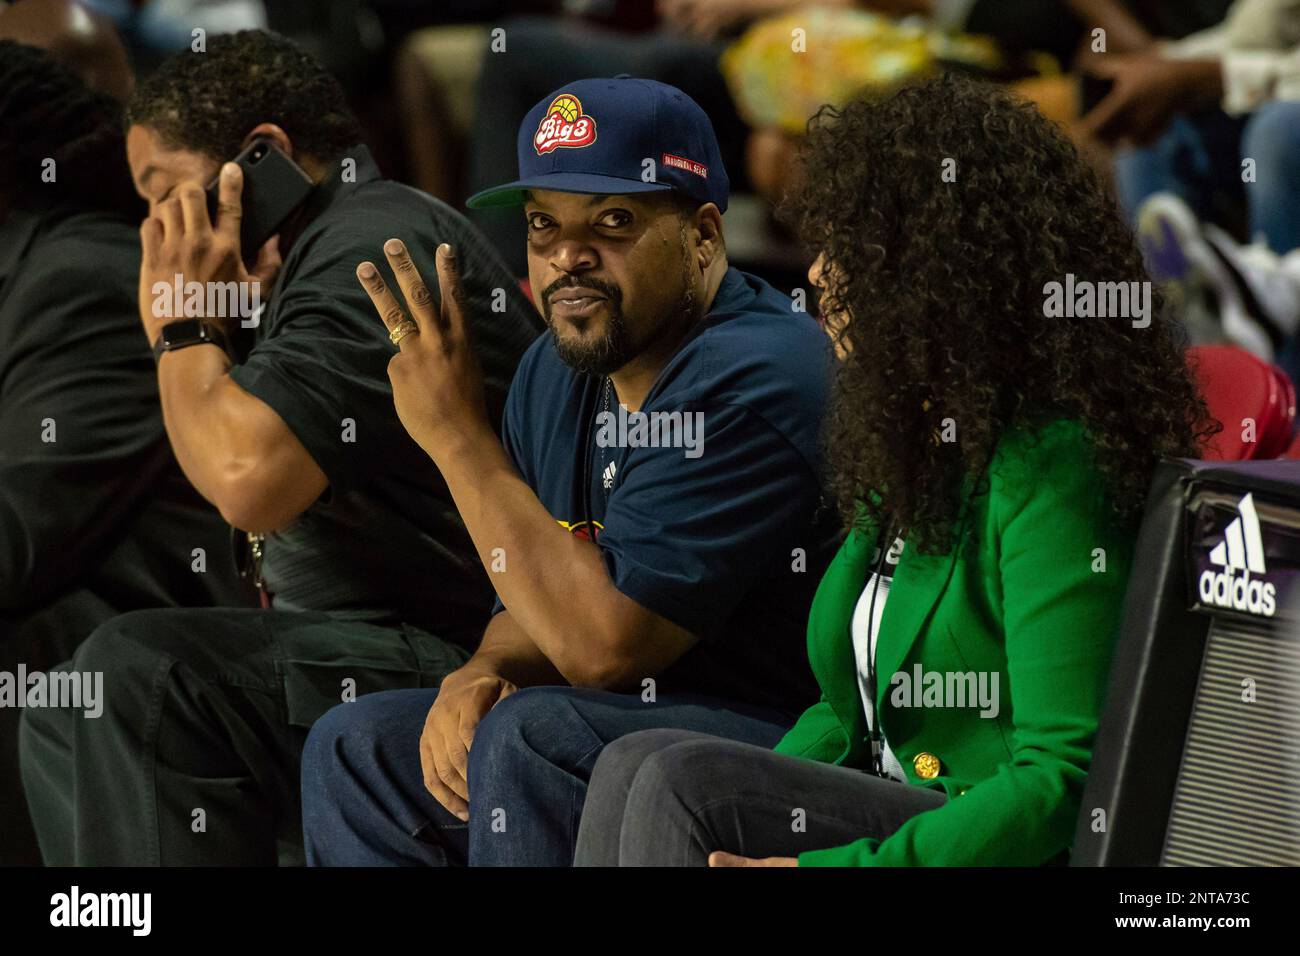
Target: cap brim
{"x":512,"y":194}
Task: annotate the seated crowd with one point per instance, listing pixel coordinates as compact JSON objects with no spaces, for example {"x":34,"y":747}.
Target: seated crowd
{"x":636,"y":562}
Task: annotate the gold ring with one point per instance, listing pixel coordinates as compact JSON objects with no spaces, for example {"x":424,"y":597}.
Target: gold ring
{"x":401,"y":330}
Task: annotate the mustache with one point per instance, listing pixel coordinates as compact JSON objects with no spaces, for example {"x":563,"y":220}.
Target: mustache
{"x":607,"y":289}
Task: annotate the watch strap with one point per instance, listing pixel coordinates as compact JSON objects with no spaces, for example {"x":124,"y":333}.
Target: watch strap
{"x":187,"y":332}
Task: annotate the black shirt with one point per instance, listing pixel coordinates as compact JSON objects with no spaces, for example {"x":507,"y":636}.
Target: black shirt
{"x":725,"y":535}
{"x":385,"y":540}
{"x":99,"y":520}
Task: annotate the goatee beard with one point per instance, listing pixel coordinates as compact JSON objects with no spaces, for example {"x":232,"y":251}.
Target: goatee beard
{"x":607,"y":354}
{"x":616,"y":347}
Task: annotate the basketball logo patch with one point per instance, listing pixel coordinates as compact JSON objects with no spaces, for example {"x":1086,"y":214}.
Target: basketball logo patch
{"x":564,"y":124}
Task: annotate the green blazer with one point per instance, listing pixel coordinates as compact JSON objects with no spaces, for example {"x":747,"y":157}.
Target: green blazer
{"x":1030,"y":601}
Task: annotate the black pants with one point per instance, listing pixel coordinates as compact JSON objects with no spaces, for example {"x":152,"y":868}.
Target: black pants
{"x":672,"y":797}
{"x":195,"y":758}
{"x":36,"y":641}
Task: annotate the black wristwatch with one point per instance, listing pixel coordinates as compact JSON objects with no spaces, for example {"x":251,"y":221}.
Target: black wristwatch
{"x":186,"y":332}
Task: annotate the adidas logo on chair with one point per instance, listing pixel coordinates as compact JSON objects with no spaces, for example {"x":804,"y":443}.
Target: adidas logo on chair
{"x":1240,"y":554}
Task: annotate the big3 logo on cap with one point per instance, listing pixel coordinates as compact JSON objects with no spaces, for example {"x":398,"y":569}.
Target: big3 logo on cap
{"x":564,"y":124}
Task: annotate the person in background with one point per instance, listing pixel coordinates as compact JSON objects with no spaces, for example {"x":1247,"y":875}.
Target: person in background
{"x":991,"y":463}
{"x":80,"y":38}
{"x":1208,"y":130}
{"x":96,"y":518}
{"x":353,"y":538}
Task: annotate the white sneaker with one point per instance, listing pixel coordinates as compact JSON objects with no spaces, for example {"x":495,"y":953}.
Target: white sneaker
{"x":1177,"y":251}
{"x":1273,"y":280}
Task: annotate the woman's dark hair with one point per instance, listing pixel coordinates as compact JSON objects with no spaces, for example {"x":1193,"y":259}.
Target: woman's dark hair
{"x":943,"y":211}
{"x":48,"y":113}
{"x":207,"y":102}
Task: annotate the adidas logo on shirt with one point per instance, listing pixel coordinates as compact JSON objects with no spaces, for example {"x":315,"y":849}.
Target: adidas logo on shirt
{"x":1240,"y":554}
{"x":607,"y":476}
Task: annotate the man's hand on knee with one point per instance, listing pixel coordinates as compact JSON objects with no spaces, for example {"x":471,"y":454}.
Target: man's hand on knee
{"x":463,"y":700}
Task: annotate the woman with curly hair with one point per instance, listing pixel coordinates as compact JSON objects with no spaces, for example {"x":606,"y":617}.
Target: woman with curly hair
{"x":990,"y":463}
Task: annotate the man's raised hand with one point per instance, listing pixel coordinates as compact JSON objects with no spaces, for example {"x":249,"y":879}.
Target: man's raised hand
{"x":179,"y":238}
{"x":437,"y":382}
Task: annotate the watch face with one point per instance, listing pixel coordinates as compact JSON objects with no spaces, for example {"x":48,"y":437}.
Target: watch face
{"x":182,"y":333}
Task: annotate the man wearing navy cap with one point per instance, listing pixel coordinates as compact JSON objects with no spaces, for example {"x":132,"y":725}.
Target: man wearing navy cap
{"x":651,"y":526}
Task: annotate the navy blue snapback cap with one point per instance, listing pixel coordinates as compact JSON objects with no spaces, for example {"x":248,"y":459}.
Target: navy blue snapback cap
{"x":615,"y":136}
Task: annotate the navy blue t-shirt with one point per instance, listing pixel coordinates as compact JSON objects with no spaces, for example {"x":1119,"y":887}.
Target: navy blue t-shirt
{"x":726,"y":538}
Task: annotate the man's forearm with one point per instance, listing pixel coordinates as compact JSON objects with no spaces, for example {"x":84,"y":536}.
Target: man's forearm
{"x":555,"y":584}
{"x":507,"y":650}
{"x":187,"y":381}
{"x":234,"y":448}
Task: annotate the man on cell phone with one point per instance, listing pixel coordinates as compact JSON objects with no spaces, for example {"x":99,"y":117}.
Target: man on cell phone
{"x":283,"y":418}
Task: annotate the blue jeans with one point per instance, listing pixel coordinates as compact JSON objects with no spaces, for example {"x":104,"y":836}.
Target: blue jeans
{"x":364,"y":802}
{"x":1199,"y":159}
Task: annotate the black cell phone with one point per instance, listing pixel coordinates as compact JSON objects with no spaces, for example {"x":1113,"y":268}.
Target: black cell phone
{"x":1092,"y":90}
{"x":274,"y":186}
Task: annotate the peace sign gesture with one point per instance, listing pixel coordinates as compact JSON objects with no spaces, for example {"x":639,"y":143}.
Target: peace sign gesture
{"x":437,"y":382}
